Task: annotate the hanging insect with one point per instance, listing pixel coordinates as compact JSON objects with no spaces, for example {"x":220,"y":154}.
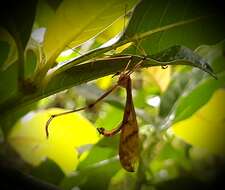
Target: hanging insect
{"x":129,"y":140}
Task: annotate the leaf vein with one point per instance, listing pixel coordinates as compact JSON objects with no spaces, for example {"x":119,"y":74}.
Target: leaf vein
{"x":168,"y":27}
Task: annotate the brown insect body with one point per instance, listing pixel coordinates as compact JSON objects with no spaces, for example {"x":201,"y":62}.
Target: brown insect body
{"x":129,"y":140}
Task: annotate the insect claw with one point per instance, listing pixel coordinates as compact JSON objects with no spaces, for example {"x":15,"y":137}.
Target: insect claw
{"x":47,"y":125}
{"x":164,"y":66}
{"x":101,"y":130}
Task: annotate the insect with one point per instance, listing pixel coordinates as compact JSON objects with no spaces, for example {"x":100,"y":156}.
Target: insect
{"x":129,"y":140}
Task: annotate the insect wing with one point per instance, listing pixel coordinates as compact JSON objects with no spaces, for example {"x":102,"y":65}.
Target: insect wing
{"x":129,"y":143}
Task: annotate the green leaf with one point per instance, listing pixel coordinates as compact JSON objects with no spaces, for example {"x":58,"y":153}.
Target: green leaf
{"x":4,"y":51}
{"x":8,"y":66}
{"x":105,"y":149}
{"x":78,"y":21}
{"x":176,"y":55}
{"x":185,"y":96}
{"x":8,"y":49}
{"x":44,"y":13}
{"x":214,"y":55}
{"x":158,"y":24}
{"x":96,"y":177}
{"x":177,"y":86}
{"x":8,"y":77}
{"x":170,"y":152}
{"x":190,"y":103}
{"x":30,"y":63}
{"x":180,"y":55}
{"x":48,"y":171}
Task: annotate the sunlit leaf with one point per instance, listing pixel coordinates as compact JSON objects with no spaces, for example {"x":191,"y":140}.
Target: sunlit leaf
{"x":206,"y":127}
{"x":79,"y":21}
{"x":109,"y":35}
{"x":104,"y":82}
{"x":160,"y":77}
{"x":66,"y":133}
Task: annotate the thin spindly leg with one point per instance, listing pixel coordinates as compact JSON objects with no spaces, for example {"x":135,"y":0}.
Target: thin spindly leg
{"x":79,"y":109}
{"x":110,"y":133}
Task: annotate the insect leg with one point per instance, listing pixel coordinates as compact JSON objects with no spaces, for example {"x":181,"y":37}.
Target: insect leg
{"x":110,"y":133}
{"x":79,"y":109}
